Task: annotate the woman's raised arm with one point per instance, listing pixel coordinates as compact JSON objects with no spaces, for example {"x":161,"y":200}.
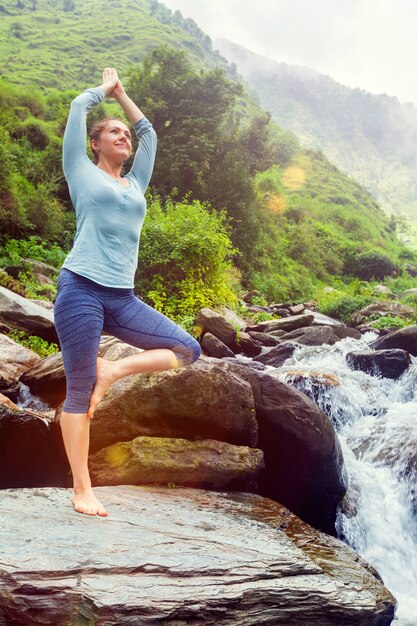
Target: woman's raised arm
{"x":74,"y":149}
{"x":145,"y":155}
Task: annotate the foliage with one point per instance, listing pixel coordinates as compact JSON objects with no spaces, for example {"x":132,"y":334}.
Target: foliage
{"x":369,"y":265}
{"x":33,"y":342}
{"x":34,"y":247}
{"x":184,"y":261}
{"x":382,"y":323}
{"x":263,"y":316}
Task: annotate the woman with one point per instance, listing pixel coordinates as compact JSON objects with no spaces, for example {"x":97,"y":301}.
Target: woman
{"x":95,"y":284}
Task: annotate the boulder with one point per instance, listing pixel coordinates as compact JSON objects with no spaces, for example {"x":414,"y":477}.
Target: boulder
{"x":278,"y":355}
{"x":318,"y":335}
{"x":287,"y":324}
{"x":410,"y":293}
{"x":247,"y":297}
{"x":385,"y":363}
{"x":14,"y":360}
{"x":214,"y":347}
{"x":403,"y":339}
{"x":25,"y":315}
{"x":31,"y":450}
{"x":296,"y":309}
{"x":42,"y":279}
{"x":383,"y":290}
{"x":382,"y":308}
{"x":323,"y":320}
{"x":41,"y":268}
{"x":303,"y":459}
{"x":214,"y":323}
{"x":150,"y":460}
{"x":47,"y":377}
{"x":233,"y":318}
{"x":248,"y":346}
{"x":201,"y":401}
{"x":46,"y":304}
{"x":177,"y":556}
{"x":265,"y":339}
{"x":411,"y":270}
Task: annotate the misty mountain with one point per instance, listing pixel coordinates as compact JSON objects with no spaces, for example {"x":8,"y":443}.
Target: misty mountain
{"x":371,"y":137}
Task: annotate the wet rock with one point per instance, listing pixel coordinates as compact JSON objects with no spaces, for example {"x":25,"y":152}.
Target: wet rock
{"x":178,"y":556}
{"x":323,"y":320}
{"x":403,"y":339}
{"x":248,"y":346}
{"x":277,"y":356}
{"x":318,"y":335}
{"x":214,"y":347}
{"x":386,"y":363}
{"x":47,"y":377}
{"x":214,"y":323}
{"x":7,"y":403}
{"x":303,"y":459}
{"x":382,"y":308}
{"x":314,"y":378}
{"x":296,"y":309}
{"x":14,"y":360}
{"x":266,"y":339}
{"x":287,"y":324}
{"x":31,"y":450}
{"x":25,"y":315}
{"x":150,"y":460}
{"x":201,"y":401}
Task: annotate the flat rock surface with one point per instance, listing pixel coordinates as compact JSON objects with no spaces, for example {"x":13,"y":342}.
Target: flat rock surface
{"x":176,"y":556}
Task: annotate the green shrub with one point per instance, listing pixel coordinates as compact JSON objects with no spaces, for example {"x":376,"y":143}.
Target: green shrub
{"x":33,"y":342}
{"x":369,"y":265}
{"x":343,"y":307}
{"x":184,"y":259}
{"x":381,"y":323}
{"x":263,"y":316}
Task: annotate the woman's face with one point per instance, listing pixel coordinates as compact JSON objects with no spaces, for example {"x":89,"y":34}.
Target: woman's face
{"x":115,"y":142}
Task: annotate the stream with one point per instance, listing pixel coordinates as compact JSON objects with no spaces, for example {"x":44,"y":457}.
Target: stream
{"x":376,"y":421}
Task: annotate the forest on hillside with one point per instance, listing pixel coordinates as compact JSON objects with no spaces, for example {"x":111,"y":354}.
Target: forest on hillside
{"x":234,"y":203}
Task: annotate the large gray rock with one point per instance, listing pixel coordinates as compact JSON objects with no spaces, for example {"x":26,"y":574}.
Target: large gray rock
{"x":248,"y":345}
{"x":266,"y":339}
{"x":403,"y":339}
{"x":47,"y":377}
{"x":386,"y":363}
{"x":303,"y":458}
{"x":25,"y":315}
{"x":177,"y":556}
{"x":14,"y":360}
{"x":216,"y":324}
{"x":318,"y":335}
{"x":201,"y":401}
{"x":214,"y":347}
{"x":205,"y":463}
{"x":278,"y":355}
{"x":382,"y":308}
{"x":287,"y":324}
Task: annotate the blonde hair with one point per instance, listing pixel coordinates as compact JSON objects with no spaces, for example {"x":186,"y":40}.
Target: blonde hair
{"x":96,"y":131}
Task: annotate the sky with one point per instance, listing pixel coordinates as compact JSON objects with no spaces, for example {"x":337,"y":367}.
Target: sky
{"x":371,"y":44}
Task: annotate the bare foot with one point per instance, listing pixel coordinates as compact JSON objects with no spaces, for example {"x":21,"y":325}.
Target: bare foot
{"x":86,"y":502}
{"x":106,"y":375}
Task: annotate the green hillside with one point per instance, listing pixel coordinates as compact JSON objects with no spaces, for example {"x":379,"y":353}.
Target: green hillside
{"x":235,"y":201}
{"x":68,"y":41}
{"x":371,"y":137}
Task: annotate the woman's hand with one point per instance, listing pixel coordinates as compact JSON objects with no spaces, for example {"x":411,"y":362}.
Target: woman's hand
{"x":111,"y":83}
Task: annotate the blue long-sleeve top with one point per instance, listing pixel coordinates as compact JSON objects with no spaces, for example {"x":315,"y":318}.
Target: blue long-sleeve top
{"x":109,"y":215}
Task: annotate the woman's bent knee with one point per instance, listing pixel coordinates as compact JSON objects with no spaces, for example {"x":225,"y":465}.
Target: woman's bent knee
{"x":187,"y":353}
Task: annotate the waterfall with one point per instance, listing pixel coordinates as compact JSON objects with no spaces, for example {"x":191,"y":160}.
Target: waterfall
{"x":26,"y":399}
{"x":376,"y":421}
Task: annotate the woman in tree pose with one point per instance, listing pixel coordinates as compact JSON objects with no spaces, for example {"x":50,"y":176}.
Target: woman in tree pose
{"x":95,"y":284}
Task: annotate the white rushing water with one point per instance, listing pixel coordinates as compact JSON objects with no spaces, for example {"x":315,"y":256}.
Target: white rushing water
{"x":376,"y":421}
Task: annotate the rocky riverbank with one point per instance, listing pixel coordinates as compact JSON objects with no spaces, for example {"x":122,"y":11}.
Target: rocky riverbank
{"x":225,"y":423}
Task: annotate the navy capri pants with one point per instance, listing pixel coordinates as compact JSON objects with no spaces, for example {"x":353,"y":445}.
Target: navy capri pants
{"x":83,"y":309}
